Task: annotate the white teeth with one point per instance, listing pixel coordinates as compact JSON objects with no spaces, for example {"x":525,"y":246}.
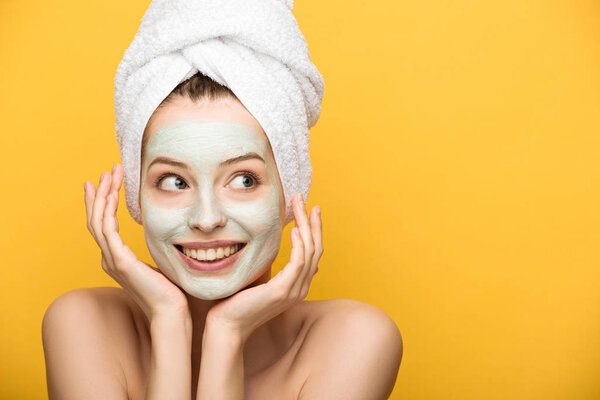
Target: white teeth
{"x":211,"y":254}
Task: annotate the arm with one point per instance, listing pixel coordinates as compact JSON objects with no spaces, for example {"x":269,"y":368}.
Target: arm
{"x":231,"y":321}
{"x":163,"y":303}
{"x":222,"y":365}
{"x":170,"y":365}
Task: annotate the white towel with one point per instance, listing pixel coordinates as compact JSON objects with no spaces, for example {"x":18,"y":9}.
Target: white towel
{"x":254,"y":47}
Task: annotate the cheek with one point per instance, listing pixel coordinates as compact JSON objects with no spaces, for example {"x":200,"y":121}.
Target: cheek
{"x":261,"y":217}
{"x":162,"y":224}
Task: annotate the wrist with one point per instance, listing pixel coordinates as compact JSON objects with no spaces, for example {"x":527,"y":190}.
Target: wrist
{"x":225,"y":331}
{"x":181,"y":312}
{"x":175,"y":319}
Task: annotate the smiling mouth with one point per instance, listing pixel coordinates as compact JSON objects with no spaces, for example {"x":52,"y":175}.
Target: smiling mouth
{"x":211,"y":255}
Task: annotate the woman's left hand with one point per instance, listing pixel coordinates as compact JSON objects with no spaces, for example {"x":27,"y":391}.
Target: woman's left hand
{"x":248,"y":309}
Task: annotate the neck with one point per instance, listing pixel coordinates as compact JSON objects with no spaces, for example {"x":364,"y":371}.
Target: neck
{"x":199,"y":309}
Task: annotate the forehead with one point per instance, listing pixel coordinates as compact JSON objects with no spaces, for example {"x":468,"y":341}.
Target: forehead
{"x":206,"y":140}
{"x":219,"y":125}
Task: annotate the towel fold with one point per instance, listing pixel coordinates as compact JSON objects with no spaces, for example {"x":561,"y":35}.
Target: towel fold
{"x":254,"y":47}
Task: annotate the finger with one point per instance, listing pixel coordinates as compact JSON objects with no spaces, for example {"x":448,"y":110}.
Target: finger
{"x":315,"y":216}
{"x":298,"y":259}
{"x":123,"y":258}
{"x":117,"y":179}
{"x":305,"y":230}
{"x":114,"y":242}
{"x":109,"y":226}
{"x":124,"y":261}
{"x":287,"y":277}
{"x":90,"y":193}
{"x":98,"y":213}
{"x":317,"y":233}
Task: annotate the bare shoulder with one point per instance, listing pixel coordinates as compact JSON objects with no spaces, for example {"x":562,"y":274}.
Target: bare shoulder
{"x":352,"y":350}
{"x":109,"y":296}
{"x":87,"y":324}
{"x":106,"y":306}
{"x":350,"y":315}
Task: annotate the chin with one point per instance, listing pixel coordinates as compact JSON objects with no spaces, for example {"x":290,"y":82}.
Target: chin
{"x":215,"y":291}
{"x":211,"y":295}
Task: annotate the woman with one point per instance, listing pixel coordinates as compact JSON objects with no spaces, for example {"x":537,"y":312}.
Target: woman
{"x":209,"y":322}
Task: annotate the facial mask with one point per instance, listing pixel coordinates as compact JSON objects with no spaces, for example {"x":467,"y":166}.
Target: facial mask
{"x":213,"y":211}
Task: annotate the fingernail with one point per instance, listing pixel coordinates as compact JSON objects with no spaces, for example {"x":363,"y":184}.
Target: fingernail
{"x":319,"y":210}
{"x":113,"y":168}
{"x":102,"y":176}
{"x":85,"y":186}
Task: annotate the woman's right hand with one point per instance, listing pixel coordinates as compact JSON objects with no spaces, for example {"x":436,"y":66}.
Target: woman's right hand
{"x":153,"y":292}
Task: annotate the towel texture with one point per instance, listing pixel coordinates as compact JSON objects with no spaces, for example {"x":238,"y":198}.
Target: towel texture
{"x":254,"y":47}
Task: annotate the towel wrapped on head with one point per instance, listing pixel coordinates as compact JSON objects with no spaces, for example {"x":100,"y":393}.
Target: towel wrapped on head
{"x":253,"y":47}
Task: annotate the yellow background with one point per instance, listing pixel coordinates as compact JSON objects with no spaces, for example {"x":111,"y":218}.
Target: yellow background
{"x":456,"y":163}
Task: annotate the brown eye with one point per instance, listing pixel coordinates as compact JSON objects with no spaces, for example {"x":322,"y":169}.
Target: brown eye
{"x":171,"y":183}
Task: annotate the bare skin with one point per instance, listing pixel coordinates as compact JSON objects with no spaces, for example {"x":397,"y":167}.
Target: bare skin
{"x":264,"y":342}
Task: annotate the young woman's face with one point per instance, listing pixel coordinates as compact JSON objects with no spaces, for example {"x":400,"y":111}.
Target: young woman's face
{"x":208,"y":173}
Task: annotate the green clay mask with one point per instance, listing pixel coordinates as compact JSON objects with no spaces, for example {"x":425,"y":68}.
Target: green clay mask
{"x":206,"y":200}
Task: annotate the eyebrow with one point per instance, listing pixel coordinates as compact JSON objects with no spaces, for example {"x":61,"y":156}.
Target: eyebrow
{"x":175,"y":163}
{"x":169,"y":161}
{"x":243,"y":157}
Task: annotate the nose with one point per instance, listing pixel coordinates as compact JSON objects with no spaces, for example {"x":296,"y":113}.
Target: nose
{"x":206,"y":215}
